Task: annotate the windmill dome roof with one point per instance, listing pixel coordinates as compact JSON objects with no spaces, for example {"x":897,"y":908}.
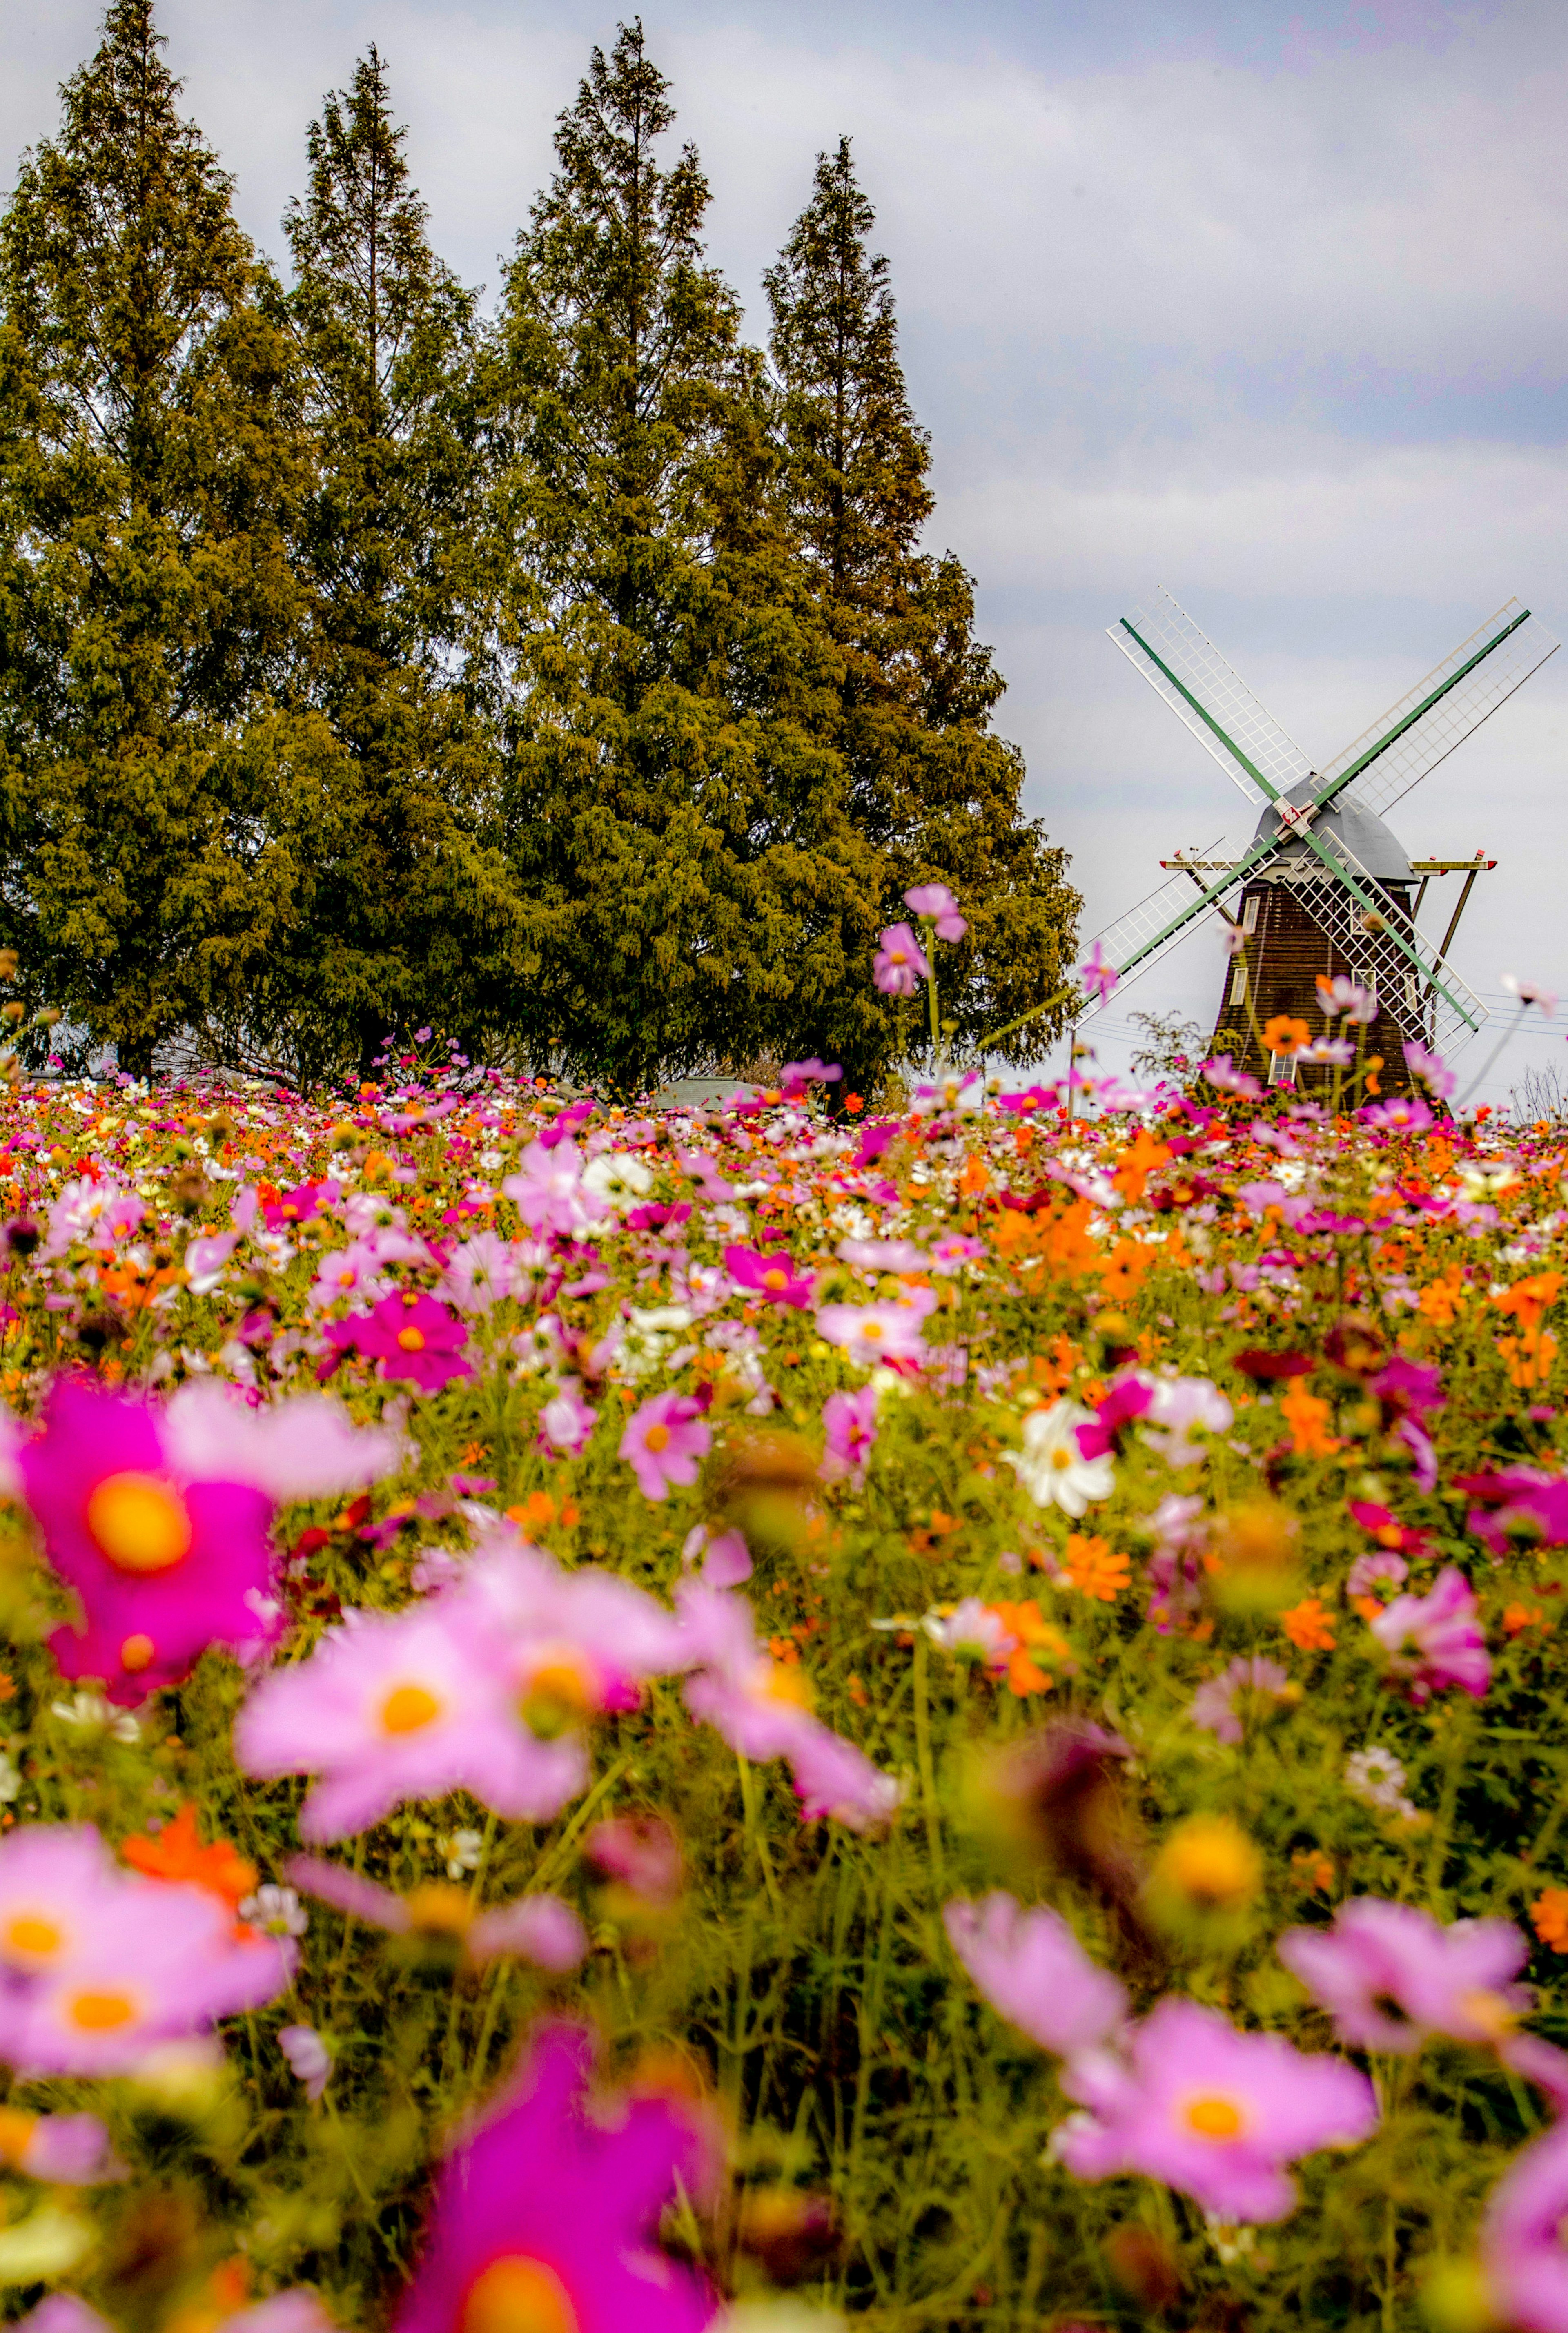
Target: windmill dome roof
{"x":1364,"y":836}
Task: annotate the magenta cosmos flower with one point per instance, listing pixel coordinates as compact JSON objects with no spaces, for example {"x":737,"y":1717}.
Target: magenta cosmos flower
{"x":774,"y":1278}
{"x":1523,"y":2257}
{"x":415,"y":1340}
{"x":1035,"y":1973}
{"x":663,"y":1442}
{"x":1215,"y":2113}
{"x":850,"y":1434}
{"x":100,"y":1963}
{"x":1435,"y":1639}
{"x":900,"y":962}
{"x":1390,"y":1974}
{"x":546,"y":2217}
{"x":161,"y":1520}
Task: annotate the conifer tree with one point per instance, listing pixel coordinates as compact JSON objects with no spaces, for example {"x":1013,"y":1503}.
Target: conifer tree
{"x":675,"y":817}
{"x":150,"y":454}
{"x":408,"y":912}
{"x":932,"y":785}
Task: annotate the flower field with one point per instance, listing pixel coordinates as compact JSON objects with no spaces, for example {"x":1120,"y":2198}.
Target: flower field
{"x":624,"y":1720}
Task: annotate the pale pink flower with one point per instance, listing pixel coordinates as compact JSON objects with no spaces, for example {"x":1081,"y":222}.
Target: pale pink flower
{"x":548,"y":1190}
{"x":1522,"y":2256}
{"x":480,"y":1271}
{"x":1214,"y":1705}
{"x":664,"y":1443}
{"x":566,"y":1422}
{"x":350,"y":1274}
{"x":1435,"y":1639}
{"x":1390,"y":1976}
{"x":872,"y":1334}
{"x":900,"y":962}
{"x":1035,"y":1973}
{"x":936,"y":901}
{"x":1531,"y":992}
{"x":1097,"y":975}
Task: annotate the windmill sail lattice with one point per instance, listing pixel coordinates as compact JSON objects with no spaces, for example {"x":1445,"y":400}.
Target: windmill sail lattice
{"x":1187,"y":670}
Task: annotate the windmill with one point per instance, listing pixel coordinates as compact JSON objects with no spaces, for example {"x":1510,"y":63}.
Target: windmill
{"x":1323,"y":885}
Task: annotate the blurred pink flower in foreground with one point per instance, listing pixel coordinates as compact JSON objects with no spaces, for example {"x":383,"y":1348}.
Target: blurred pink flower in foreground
{"x":900,"y":962}
{"x":548,"y":1190}
{"x":1435,"y":1639}
{"x":663,"y":1442}
{"x":538,"y":1928}
{"x":935,"y":901}
{"x":1212,"y":2112}
{"x":1035,"y":1972}
{"x":1248,"y":1681}
{"x":849,"y":1426}
{"x":1523,"y":2257}
{"x":546,"y":2215}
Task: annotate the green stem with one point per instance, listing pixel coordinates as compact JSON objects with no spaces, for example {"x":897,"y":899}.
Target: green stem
{"x":927,"y":1765}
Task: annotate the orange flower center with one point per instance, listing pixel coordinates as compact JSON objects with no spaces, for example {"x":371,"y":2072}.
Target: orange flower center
{"x":412,"y":1340}
{"x":657,"y":1437}
{"x":518,"y":2295}
{"x":101,"y":2012}
{"x":138,"y":1653}
{"x":407,"y":1707}
{"x":1062,"y":1457}
{"x":871,"y":1330}
{"x":1213,"y":2117}
{"x":775,"y":1279}
{"x":29,"y":1934}
{"x":139,"y":1522}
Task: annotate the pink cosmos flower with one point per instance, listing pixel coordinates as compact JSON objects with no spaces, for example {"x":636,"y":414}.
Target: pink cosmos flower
{"x":1522,"y":1499}
{"x":1212,"y":2112}
{"x":566,"y":1422}
{"x":538,"y":1928}
{"x":871,"y":1334}
{"x":1225,"y":1078}
{"x":480,"y":1271}
{"x":413,"y":1338}
{"x":310,"y":2060}
{"x":161,"y":1520}
{"x":405,"y":1705}
{"x":762,"y":1708}
{"x":546,"y":2215}
{"x":900,"y":962}
{"x":1522,"y":2256}
{"x":548,"y":1190}
{"x":298,"y":2311}
{"x":1433,"y":1071}
{"x":571,"y":1644}
{"x":1435,"y":1639}
{"x":1390,"y":1976}
{"x":101,"y":1963}
{"x":351,"y":1272}
{"x":773,"y":1277}
{"x":935,"y":901}
{"x":796,"y":1076}
{"x":663,"y":1442}
{"x":1214,"y":1704}
{"x":1097,"y":975}
{"x":71,"y":2150}
{"x":203,"y":1261}
{"x":849,"y":1426}
{"x":1035,"y":1973}
{"x":1531,"y":992}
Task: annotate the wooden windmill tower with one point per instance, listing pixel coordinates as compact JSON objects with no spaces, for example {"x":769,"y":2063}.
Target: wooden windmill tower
{"x":1324,"y":886}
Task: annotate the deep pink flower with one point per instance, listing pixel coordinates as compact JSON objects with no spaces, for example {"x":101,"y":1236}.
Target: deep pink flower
{"x":1098,"y":975}
{"x":1035,"y":1972}
{"x":412,"y":1337}
{"x":1225,"y":1078}
{"x":1513,"y":1499}
{"x":900,"y":962}
{"x":935,"y":901}
{"x":796,"y":1076}
{"x":1215,"y":2113}
{"x":774,"y":1278}
{"x":547,"y":2217}
{"x":663,"y":1442}
{"x":1390,"y":1976}
{"x":1435,"y":1639}
{"x":1522,"y":2256}
{"x":849,"y":1426}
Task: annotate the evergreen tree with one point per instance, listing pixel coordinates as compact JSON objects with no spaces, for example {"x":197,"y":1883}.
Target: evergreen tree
{"x":932,"y":785}
{"x":409,"y":914}
{"x":150,"y":454}
{"x":702,"y":893}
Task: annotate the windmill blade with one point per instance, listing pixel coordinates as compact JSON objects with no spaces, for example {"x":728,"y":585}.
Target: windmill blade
{"x":1153,"y":928}
{"x":1431,"y":1004}
{"x":1186,"y":668}
{"x":1440,"y":712}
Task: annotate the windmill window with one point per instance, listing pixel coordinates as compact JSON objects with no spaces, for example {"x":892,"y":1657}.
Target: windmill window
{"x":1238,"y":984}
{"x":1282,"y":1069}
{"x":1249,"y":913}
{"x":1411,"y":991}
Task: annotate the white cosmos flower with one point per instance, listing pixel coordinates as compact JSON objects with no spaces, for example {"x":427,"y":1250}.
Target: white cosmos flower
{"x":618,"y":1177}
{"x":1051,"y":1467}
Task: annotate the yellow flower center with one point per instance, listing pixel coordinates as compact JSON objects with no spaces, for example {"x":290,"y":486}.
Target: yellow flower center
{"x":138,"y":1523}
{"x":560,"y":1693}
{"x":871,"y":1330}
{"x":1489,"y":2013}
{"x":1210,"y":1862}
{"x":15,"y":2129}
{"x":657,"y":1437}
{"x":785,"y":1681}
{"x":518,"y":2295}
{"x":775,"y":1279}
{"x":1062,"y":1457}
{"x":29,"y":1933}
{"x":101,"y":2012}
{"x":138,"y":1653}
{"x":438,"y":1908}
{"x":412,"y":1340}
{"x":346,"y":1278}
{"x":407,"y":1707}
{"x":1213,"y":2117}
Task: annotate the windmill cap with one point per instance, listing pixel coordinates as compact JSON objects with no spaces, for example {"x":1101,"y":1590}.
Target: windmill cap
{"x":1364,"y":836}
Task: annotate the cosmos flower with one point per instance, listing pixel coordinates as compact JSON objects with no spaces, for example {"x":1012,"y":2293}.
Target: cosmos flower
{"x":1225,"y":1078}
{"x":773,"y":1277}
{"x":545,"y":2216}
{"x":309,"y":2058}
{"x":1052,"y":1466}
{"x":900,"y":962}
{"x":346,"y":1273}
{"x":871,"y":1335}
{"x":1035,"y":1973}
{"x":566,"y":1422}
{"x":539,"y":1928}
{"x":161,"y":1520}
{"x":1214,"y":1705}
{"x":548,"y":1193}
{"x":415,"y":1340}
{"x":1433,"y":1071}
{"x":1212,"y":2112}
{"x":850,"y":1431}
{"x":664,"y":1442}
{"x":1435,"y":1640}
{"x":1530,"y":992}
{"x":1523,"y":2257}
{"x":1097,"y":976}
{"x":936,"y":901}
{"x":480,"y":1271}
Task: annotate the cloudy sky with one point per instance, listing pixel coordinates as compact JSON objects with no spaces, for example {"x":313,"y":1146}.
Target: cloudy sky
{"x":1264,"y":303}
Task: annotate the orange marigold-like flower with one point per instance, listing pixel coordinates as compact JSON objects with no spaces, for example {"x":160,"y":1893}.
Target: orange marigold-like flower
{"x":1284,"y":1032}
{"x":1307,"y":1625}
{"x":1093,"y":1569}
{"x":1549,"y":1918}
{"x":1307,"y":1417}
{"x":1037,"y":1640}
{"x":1521,"y":1616}
{"x":176,"y":1852}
